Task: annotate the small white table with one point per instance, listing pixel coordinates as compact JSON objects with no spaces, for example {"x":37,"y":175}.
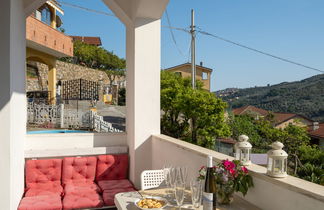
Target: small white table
{"x":125,"y":201}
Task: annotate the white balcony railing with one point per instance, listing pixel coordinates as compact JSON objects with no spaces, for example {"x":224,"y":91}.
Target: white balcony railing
{"x":289,"y":193}
{"x":268,"y":193}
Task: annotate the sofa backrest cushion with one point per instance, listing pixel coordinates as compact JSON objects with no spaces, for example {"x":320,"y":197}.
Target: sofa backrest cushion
{"x":112,"y":167}
{"x":79,"y":169}
{"x":43,"y":171}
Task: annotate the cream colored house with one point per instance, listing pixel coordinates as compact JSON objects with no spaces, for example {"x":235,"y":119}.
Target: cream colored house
{"x":202,"y":73}
{"x":147,"y":148}
{"x":281,"y":119}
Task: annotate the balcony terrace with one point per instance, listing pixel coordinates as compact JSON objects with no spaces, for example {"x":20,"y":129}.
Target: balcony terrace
{"x":159,"y":150}
{"x":44,"y":38}
{"x":147,"y":148}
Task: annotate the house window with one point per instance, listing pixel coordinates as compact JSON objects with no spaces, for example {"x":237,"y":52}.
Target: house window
{"x":178,"y":73}
{"x":46,"y":15}
{"x":38,"y":15}
{"x":204,"y":76}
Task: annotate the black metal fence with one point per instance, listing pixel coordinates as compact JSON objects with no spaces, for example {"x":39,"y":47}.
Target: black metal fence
{"x":80,"y":89}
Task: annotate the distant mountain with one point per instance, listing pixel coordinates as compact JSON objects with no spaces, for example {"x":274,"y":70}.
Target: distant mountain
{"x":305,"y":97}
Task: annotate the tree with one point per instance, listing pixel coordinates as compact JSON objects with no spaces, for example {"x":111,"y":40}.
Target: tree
{"x":95,"y":57}
{"x":206,"y":114}
{"x":194,"y":115}
{"x":245,"y":124}
{"x":172,"y":121}
{"x":312,"y":164}
{"x":294,"y":137}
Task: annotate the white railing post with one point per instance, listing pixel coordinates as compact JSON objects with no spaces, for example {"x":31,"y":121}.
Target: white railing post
{"x":62,"y":115}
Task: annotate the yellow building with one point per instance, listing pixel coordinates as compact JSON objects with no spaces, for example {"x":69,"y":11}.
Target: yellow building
{"x":45,"y":43}
{"x":202,"y":73}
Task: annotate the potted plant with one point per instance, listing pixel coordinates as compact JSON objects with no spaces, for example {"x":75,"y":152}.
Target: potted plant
{"x":230,"y":177}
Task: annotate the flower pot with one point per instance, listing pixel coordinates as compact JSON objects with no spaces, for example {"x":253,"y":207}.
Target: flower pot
{"x":225,"y":193}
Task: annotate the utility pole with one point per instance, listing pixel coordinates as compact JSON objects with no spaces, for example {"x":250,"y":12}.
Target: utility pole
{"x":193,"y":49}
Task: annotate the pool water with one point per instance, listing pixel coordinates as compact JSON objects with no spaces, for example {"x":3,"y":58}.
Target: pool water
{"x":56,"y":131}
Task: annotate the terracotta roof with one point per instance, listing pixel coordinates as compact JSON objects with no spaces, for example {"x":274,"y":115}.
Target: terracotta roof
{"x":241,"y":110}
{"x":189,"y":64}
{"x":227,"y":140}
{"x":318,"y":132}
{"x":280,"y":117}
{"x":88,"y":40}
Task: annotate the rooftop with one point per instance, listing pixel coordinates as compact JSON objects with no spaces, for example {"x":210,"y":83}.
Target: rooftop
{"x":319,"y":132}
{"x":92,"y":40}
{"x":189,"y":65}
{"x":279,"y":117}
{"x":243,"y":109}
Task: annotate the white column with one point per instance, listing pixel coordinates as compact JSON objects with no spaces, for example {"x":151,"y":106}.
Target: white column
{"x":12,"y":102}
{"x":142,"y":92}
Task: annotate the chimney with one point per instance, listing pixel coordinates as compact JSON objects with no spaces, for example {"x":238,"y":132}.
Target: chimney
{"x":315,"y":126}
{"x":201,"y":63}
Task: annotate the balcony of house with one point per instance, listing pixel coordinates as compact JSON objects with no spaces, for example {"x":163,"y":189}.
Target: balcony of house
{"x":44,"y":38}
{"x":160,"y":150}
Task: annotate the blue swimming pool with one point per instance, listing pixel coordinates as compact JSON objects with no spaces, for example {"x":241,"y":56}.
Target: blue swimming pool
{"x":56,"y":131}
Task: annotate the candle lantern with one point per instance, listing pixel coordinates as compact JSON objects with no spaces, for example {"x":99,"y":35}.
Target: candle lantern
{"x":277,"y":161}
{"x":243,"y":150}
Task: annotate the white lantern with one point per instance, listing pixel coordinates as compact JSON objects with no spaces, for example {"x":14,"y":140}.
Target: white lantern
{"x":243,"y":150}
{"x":277,"y":161}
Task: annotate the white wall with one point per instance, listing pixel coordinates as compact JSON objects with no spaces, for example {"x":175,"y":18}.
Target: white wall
{"x":70,"y":140}
{"x":12,"y":102}
{"x":143,"y":54}
{"x":143,"y":91}
{"x":268,"y":193}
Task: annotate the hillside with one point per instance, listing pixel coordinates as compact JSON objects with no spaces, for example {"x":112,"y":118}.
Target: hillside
{"x":304,"y":97}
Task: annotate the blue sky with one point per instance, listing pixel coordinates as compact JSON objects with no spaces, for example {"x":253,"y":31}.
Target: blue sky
{"x":293,"y":29}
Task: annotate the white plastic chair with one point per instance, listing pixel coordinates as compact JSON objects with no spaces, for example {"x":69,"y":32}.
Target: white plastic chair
{"x":151,"y":179}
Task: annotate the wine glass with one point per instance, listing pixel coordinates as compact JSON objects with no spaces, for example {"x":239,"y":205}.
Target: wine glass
{"x":179,"y":191}
{"x":172,"y":177}
{"x":166,"y":173}
{"x":183,"y":173}
{"x":171,"y":180}
{"x":196,"y":192}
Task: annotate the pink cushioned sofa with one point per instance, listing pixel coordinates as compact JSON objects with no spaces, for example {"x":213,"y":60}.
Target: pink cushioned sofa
{"x":75,"y":182}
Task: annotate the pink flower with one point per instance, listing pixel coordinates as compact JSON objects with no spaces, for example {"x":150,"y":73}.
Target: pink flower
{"x":228,"y":164}
{"x":232,"y":172}
{"x":245,"y":170}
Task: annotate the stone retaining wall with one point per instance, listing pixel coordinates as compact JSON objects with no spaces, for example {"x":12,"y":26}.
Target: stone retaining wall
{"x":65,"y":71}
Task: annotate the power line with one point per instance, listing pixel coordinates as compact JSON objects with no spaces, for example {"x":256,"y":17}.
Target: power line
{"x":111,"y":15}
{"x":261,"y":52}
{"x":172,"y":34}
{"x":199,"y":31}
{"x":86,"y":9}
{"x":176,"y":28}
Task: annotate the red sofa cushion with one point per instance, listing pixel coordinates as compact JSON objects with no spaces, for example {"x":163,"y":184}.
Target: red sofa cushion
{"x":43,"y":171}
{"x":109,"y":195}
{"x":79,"y":169}
{"x":84,"y":186}
{"x":44,"y":202}
{"x":45,"y":189}
{"x":112,"y":167}
{"x":82,"y":200}
{"x":115,"y":184}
